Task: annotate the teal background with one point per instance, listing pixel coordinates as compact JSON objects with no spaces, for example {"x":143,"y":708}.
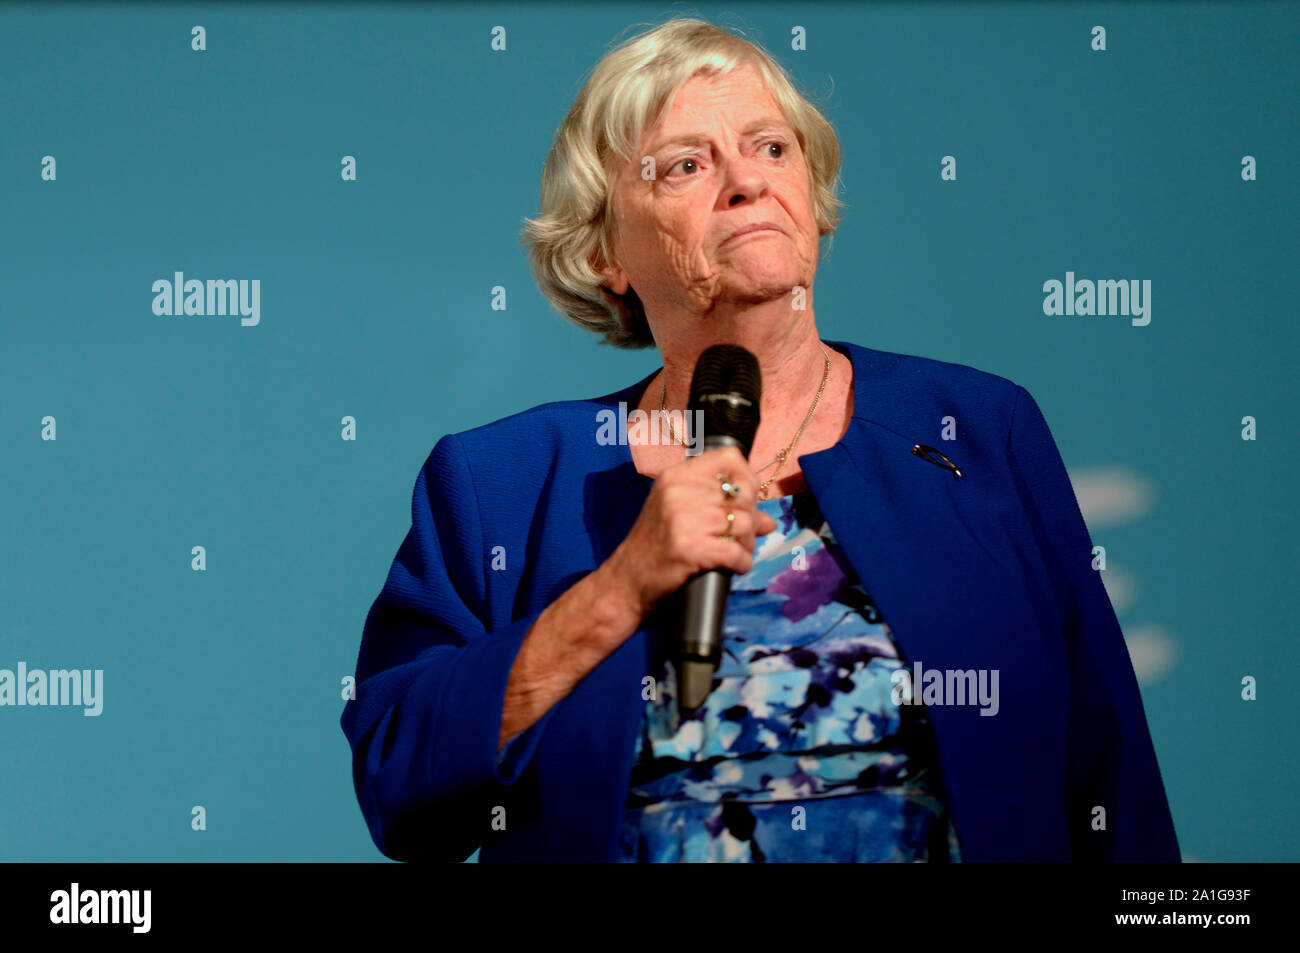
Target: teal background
{"x":222,"y":688}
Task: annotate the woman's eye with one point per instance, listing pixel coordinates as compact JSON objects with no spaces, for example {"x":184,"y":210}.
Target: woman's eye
{"x":680,"y":163}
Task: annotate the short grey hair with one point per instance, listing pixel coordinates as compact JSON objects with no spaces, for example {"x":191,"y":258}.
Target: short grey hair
{"x":624,"y":96}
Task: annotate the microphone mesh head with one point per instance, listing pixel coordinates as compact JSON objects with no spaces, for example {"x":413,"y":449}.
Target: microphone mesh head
{"x":727,"y":386}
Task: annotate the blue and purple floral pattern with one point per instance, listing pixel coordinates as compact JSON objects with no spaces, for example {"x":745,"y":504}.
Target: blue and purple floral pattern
{"x":800,"y":752}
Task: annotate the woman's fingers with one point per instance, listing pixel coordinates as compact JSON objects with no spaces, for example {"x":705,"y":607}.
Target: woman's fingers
{"x":702,"y":514}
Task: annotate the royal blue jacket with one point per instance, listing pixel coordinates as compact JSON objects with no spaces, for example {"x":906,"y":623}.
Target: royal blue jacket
{"x":989,"y":571}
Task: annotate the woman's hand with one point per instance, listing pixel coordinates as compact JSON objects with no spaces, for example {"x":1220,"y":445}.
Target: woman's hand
{"x":675,"y":536}
{"x":679,"y":530}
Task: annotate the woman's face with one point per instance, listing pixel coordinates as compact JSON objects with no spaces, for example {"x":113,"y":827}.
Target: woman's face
{"x":674,"y":244}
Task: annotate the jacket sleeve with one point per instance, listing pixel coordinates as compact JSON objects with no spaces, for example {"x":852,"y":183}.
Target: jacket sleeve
{"x":1111,"y":762}
{"x":430,"y":683}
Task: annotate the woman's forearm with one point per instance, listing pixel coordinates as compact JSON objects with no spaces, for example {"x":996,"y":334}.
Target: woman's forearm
{"x":572,"y":636}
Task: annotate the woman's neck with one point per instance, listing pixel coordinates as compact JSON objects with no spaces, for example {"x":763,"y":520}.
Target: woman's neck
{"x":790,"y":381}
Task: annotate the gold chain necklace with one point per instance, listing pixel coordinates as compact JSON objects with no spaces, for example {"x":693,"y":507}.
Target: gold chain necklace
{"x":782,"y":456}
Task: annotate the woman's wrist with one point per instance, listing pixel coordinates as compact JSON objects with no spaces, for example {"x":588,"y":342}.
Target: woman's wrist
{"x":570,"y":638}
{"x":616,"y":587}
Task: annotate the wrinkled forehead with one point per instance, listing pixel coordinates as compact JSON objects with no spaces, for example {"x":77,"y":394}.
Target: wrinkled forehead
{"x":711,"y":91}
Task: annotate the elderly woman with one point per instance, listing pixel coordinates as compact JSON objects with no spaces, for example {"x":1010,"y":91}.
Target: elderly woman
{"x":919,"y":662}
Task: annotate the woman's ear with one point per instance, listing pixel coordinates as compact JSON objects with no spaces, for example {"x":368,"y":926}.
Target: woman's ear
{"x":615,"y":278}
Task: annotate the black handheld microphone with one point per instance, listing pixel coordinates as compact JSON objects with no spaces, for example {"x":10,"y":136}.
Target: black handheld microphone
{"x":726,"y":387}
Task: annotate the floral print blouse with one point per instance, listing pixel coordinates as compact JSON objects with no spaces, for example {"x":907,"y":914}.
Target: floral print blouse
{"x":800,"y":752}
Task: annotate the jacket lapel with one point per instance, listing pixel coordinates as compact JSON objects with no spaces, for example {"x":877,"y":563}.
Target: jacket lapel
{"x":950,"y":566}
{"x":909,"y":528}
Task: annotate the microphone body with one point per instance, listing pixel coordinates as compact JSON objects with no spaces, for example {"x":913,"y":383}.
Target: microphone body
{"x":704,"y":604}
{"x":726,"y":386}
